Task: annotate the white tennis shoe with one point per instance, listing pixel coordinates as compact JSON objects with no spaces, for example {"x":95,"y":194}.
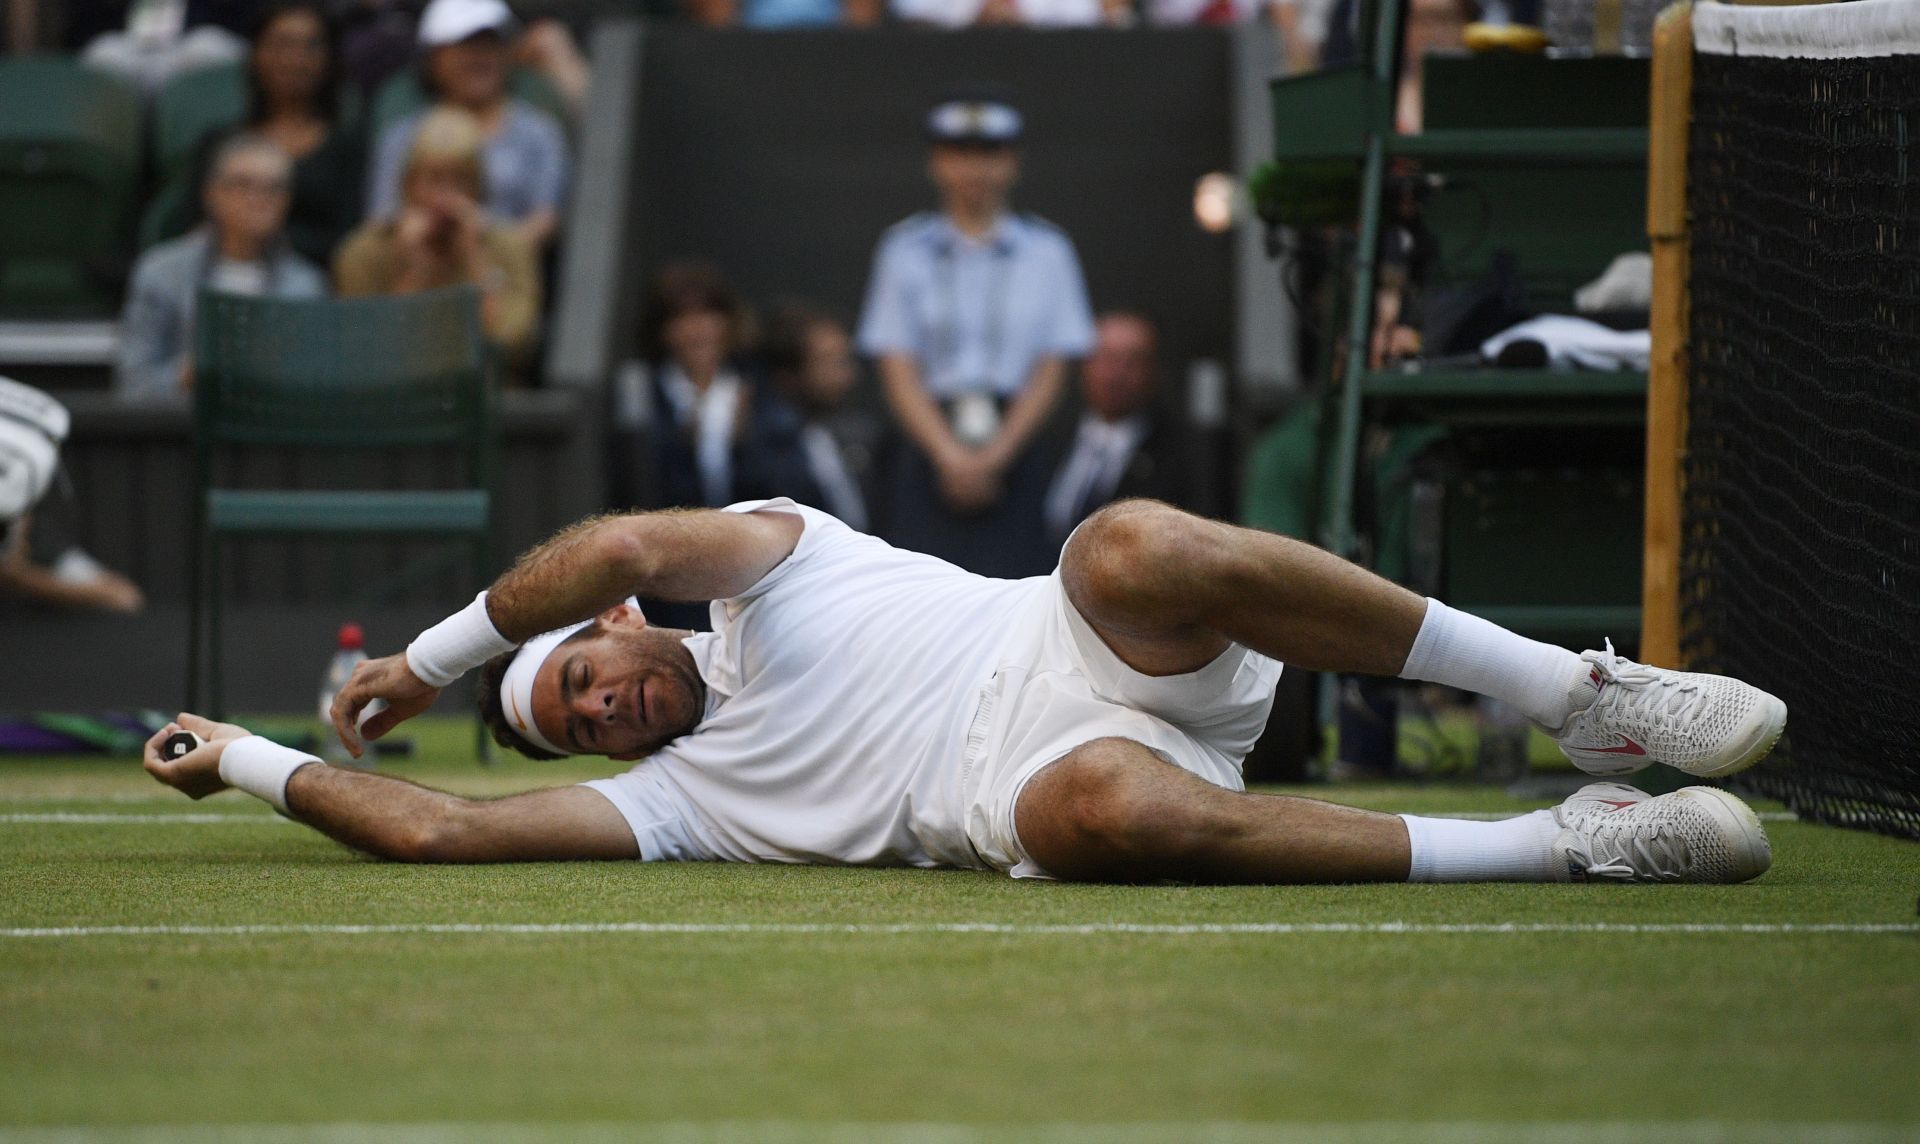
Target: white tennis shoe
{"x":1627,"y":715}
{"x":1611,"y":832}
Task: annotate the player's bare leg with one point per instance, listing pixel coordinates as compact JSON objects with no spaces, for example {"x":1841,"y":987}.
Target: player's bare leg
{"x":1167,"y":591}
{"x":1112,"y":810}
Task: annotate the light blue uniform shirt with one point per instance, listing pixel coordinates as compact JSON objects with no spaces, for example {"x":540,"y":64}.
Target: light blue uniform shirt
{"x":526,"y":163}
{"x":976,"y":314}
{"x":789,"y":13}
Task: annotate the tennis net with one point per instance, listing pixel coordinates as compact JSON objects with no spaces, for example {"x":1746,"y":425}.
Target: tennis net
{"x":1800,"y":560}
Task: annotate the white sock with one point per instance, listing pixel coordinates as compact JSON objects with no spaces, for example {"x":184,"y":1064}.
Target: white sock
{"x":1465,"y":651}
{"x":1459,"y":850}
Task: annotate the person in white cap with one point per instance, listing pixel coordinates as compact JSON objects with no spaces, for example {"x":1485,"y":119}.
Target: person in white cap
{"x":860,"y":704}
{"x":465,"y":62}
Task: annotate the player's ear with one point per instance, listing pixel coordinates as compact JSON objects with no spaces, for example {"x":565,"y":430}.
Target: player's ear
{"x":624,"y":615}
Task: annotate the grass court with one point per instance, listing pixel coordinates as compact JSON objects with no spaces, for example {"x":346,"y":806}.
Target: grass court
{"x":173,"y":970}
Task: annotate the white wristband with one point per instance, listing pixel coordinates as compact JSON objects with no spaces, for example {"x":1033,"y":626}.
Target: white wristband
{"x":456,"y":645}
{"x":261,"y":767}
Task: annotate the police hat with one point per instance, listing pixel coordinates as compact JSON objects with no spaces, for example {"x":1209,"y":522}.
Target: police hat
{"x":977,"y":117}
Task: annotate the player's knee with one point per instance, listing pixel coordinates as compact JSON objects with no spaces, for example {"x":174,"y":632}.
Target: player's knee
{"x":1132,"y":553}
{"x":1101,"y":814}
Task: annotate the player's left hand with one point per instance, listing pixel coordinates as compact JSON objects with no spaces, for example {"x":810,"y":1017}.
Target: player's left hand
{"x":387,"y":678}
{"x":195,"y":774}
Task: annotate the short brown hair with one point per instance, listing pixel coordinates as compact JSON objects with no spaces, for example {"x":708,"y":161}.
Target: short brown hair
{"x":690,"y":287}
{"x":784,"y":349}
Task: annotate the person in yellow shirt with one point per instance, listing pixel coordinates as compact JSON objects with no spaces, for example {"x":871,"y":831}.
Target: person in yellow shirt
{"x":443,"y":237}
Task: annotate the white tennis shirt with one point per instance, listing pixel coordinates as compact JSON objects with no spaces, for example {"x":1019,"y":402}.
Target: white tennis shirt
{"x":840,"y":689}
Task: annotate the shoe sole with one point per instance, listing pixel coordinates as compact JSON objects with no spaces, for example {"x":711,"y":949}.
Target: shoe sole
{"x":1758,"y":745}
{"x":1740,"y":826}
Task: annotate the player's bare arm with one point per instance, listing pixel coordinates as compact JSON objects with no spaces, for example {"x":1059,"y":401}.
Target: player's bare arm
{"x":402,"y":821}
{"x":580,"y":573}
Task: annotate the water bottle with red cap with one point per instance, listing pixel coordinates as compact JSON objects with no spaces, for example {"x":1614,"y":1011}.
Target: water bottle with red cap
{"x":350,"y":654}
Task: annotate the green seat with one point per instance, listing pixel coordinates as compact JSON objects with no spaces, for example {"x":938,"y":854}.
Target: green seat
{"x":191,"y":107}
{"x":69,"y":174}
{"x":392,"y":374}
{"x":402,"y":95}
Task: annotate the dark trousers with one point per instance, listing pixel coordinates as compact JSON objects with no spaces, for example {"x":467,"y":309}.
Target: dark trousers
{"x":1007,"y":539}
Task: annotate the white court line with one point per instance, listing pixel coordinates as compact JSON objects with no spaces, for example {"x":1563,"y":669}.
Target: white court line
{"x":1498,"y":815}
{"x":1054,"y":1132}
{"x":862,"y":929}
{"x":197,"y":819}
{"x":64,"y":817}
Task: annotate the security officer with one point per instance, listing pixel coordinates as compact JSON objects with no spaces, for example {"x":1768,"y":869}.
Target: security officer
{"x":972,"y":314}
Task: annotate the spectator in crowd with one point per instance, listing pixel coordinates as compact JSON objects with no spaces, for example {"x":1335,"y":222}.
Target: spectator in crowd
{"x":293,"y":98}
{"x":1123,"y":446}
{"x":443,"y":236}
{"x":1030,"y":13}
{"x":165,"y":38}
{"x":240,"y":249}
{"x":467,"y":54}
{"x":809,"y":360}
{"x":773,"y":14}
{"x":972,"y":314}
{"x":378,"y":39}
{"x":22,"y":26}
{"x":1301,"y":24}
{"x":33,"y":426}
{"x":548,"y":47}
{"x":698,"y":420}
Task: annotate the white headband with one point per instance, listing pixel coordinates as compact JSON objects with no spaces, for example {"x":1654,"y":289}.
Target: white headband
{"x":516,"y":684}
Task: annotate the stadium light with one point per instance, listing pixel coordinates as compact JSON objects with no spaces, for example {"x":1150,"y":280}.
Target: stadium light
{"x":1215,"y":196}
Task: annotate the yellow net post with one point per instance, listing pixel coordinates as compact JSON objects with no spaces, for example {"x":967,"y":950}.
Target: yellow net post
{"x":1667,"y":377}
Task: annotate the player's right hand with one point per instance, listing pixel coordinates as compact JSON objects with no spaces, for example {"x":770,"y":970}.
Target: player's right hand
{"x":388,"y":678}
{"x":195,"y":774}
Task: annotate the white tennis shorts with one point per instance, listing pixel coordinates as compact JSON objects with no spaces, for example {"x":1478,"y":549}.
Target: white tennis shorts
{"x":1058,"y":685}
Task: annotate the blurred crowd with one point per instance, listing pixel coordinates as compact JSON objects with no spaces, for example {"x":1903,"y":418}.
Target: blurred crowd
{"x":386,"y":149}
{"x":213,"y":29}
{"x":373,"y":156}
{"x":973,"y":320}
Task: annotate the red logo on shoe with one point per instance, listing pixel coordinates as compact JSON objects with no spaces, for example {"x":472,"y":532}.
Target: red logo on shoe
{"x":1627,"y":747}
{"x":1617,"y":804}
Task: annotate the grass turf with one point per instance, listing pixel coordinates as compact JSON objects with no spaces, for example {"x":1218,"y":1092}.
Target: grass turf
{"x":924,"y":1034}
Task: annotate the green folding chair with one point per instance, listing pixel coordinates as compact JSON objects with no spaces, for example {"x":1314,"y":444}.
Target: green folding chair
{"x":192,"y":106}
{"x":398,"y":374}
{"x":69,"y":169}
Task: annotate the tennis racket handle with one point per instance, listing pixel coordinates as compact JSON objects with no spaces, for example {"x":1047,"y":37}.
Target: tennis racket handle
{"x":179,"y":744}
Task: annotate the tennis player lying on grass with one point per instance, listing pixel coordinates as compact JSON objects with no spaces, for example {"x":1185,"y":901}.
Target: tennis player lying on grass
{"x":857,"y":704}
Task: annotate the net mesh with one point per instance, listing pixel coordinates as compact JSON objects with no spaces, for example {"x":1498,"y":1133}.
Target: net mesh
{"x":1800,"y":567}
